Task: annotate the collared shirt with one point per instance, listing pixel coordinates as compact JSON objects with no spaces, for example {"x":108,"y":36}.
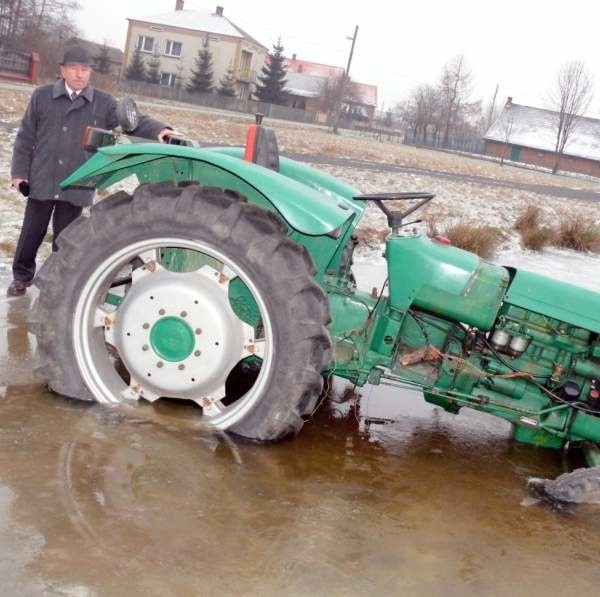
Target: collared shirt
{"x":70,"y":91}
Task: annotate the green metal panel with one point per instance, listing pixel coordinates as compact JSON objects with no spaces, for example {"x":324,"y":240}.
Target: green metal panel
{"x":556,"y":299}
{"x":515,"y":153}
{"x":305,"y":208}
{"x":444,"y":280}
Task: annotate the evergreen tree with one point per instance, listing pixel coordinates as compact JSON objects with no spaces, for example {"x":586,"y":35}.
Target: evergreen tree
{"x":136,"y":71}
{"x":201,"y":80}
{"x":227,"y":84}
{"x":103,"y":60}
{"x":272,"y":80}
{"x":153,"y":75}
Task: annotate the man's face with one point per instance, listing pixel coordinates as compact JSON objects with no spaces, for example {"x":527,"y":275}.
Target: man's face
{"x":77,"y":76}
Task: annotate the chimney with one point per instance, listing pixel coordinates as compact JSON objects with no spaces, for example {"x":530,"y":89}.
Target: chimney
{"x":508,"y":102}
{"x":178,"y":4}
{"x":219,"y":11}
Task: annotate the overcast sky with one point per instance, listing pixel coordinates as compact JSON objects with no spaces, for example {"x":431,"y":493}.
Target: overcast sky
{"x":518,"y":45}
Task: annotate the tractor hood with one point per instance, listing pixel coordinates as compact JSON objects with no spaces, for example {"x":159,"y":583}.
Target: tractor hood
{"x":311,"y":202}
{"x":559,"y":300}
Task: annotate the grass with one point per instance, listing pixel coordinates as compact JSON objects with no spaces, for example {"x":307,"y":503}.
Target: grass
{"x":578,"y":234}
{"x":482,"y":240}
{"x":534,"y":236}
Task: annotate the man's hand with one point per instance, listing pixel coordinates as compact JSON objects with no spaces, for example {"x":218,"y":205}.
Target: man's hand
{"x":165,"y":133}
{"x":17,"y":181}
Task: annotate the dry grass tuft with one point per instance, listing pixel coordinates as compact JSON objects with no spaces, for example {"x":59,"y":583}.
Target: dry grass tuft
{"x":578,"y":234}
{"x":482,"y":240}
{"x":534,"y":236}
{"x":7,"y":247}
{"x":529,"y":219}
{"x":370,"y":236}
{"x":535,"y":239}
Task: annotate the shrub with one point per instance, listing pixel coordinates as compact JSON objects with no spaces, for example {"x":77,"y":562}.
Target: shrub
{"x":578,"y":234}
{"x":534,"y":236}
{"x":536,"y":239}
{"x":482,"y":240}
{"x":529,"y":219}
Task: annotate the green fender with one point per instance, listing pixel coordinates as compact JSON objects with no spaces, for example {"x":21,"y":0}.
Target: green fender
{"x":311,"y":202}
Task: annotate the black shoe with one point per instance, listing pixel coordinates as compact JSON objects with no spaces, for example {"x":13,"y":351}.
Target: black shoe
{"x":17,"y":288}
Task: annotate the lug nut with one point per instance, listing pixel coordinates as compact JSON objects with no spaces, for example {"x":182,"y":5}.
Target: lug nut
{"x":198,"y":331}
{"x":197,"y":353}
{"x":146,"y":326}
{"x":145,"y":347}
{"x":159,"y":364}
{"x":161,"y":312}
{"x":181,"y":367}
{"x":184,"y":314}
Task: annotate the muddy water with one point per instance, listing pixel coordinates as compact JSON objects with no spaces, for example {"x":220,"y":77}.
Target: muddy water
{"x":97,"y":502}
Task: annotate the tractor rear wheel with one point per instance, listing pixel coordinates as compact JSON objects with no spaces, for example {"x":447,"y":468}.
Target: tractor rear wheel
{"x":241,"y":332}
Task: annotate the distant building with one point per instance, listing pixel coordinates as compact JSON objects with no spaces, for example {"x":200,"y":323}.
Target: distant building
{"x":177,"y":36}
{"x":528,"y":135}
{"x":306,"y":82}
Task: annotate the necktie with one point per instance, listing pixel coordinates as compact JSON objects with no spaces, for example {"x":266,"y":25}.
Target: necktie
{"x":73,"y":96}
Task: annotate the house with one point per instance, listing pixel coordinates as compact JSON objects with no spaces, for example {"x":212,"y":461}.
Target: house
{"x":115,"y":55}
{"x":527,"y":134}
{"x":308,"y":82}
{"x":176,"y":37}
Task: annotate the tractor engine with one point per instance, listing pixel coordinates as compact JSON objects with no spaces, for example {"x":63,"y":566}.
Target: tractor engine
{"x":540,"y":373}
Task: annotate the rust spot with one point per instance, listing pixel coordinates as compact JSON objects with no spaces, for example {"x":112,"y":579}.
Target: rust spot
{"x":150,"y":265}
{"x":206,"y":401}
{"x":223,"y":278}
{"x":108,"y":321}
{"x":249,"y":348}
{"x":426,"y":353}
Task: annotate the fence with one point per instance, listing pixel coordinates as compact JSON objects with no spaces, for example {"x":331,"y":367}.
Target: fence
{"x":19,"y":66}
{"x":469,"y":144}
{"x":214,"y":100}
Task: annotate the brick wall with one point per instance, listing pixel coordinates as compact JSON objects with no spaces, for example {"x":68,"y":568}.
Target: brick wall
{"x":544,"y":158}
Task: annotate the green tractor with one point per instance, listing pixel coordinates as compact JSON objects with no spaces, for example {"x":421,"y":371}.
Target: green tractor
{"x":226,"y":279}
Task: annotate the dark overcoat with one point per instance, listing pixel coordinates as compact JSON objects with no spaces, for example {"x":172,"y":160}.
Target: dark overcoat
{"x":48,"y":145}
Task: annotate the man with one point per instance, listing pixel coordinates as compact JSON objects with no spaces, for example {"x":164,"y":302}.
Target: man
{"x":48,"y":148}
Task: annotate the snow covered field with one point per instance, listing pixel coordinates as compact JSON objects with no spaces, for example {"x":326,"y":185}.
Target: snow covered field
{"x":456,"y":199}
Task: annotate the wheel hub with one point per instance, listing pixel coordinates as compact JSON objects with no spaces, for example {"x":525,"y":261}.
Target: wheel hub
{"x":178,"y":335}
{"x":172,"y":339}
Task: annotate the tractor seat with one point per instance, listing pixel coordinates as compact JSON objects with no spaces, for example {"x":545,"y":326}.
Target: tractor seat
{"x":261,"y":146}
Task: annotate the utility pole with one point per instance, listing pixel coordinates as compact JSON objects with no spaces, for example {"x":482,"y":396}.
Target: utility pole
{"x":344,"y":82}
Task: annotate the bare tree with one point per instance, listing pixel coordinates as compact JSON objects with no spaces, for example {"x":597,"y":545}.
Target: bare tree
{"x":41,"y":26}
{"x":455,"y":88}
{"x":570,"y":99}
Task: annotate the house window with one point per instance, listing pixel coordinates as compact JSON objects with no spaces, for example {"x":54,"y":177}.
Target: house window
{"x":168,"y":79}
{"x":145,"y":43}
{"x":245,"y":63}
{"x":173,"y":48}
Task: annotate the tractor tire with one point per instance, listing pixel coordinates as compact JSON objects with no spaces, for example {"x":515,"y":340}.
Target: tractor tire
{"x":191,"y":340}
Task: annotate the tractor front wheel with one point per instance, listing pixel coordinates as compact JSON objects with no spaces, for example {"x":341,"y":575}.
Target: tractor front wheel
{"x":188,"y":293}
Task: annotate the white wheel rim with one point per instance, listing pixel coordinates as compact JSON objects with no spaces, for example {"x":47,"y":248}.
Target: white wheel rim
{"x":200,"y":378}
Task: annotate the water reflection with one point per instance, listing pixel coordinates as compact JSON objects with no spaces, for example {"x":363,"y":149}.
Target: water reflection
{"x":95,"y":501}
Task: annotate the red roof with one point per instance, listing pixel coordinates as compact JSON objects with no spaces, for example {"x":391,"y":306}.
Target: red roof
{"x":313,"y":68}
{"x":366,"y":93}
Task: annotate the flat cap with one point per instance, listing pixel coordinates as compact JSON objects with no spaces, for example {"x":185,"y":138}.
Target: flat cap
{"x":77,"y":55}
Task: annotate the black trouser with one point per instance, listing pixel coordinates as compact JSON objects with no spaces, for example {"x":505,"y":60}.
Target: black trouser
{"x":35,"y":225}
